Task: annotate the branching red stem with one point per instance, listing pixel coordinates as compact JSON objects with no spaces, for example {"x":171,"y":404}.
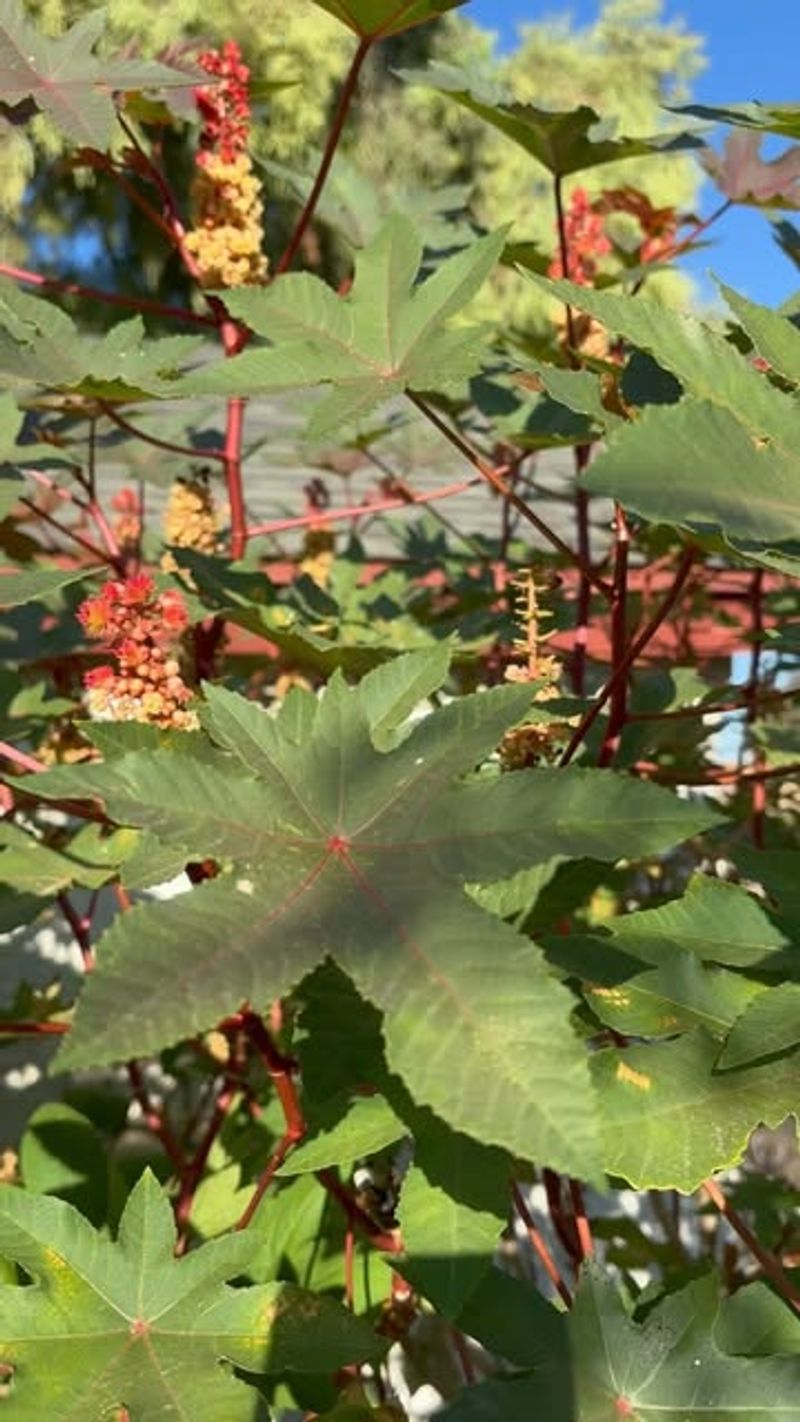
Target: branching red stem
{"x":154,"y":1119}
{"x":543,"y":1253}
{"x":334,"y":135}
{"x":619,"y":633}
{"x":111,"y":298}
{"x":769,"y":1263}
{"x":380,"y":1239}
{"x":122,"y":423}
{"x":634,"y":650}
{"x":81,"y":925}
{"x":498,"y":483}
{"x":285,"y":525}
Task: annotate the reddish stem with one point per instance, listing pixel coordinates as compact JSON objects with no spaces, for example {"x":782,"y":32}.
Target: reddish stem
{"x":21,"y":758}
{"x":563,"y":248}
{"x":582,"y":1226}
{"x":266,"y":1177}
{"x":233,"y":477}
{"x":349,"y":1266}
{"x":280,"y":1071}
{"x":678,"y":248}
{"x":193,"y":1173}
{"x":334,"y":135}
{"x":284,"y":525}
{"x":584,"y":599}
{"x":619,"y":633}
{"x":112,"y":298}
{"x":754,"y":773}
{"x":131,"y":429}
{"x":67,"y":532}
{"x":380,"y":1239}
{"x":81,"y":926}
{"x":634,"y":650}
{"x":154,"y":1119}
{"x":771,"y":1266}
{"x":495,"y":478}
{"x":545,"y":1257}
{"x":33,"y":1029}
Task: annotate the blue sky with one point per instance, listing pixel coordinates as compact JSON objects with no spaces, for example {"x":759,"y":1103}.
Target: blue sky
{"x":752,"y":52}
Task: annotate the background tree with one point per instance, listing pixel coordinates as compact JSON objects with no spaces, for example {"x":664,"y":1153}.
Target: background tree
{"x":625,"y":65}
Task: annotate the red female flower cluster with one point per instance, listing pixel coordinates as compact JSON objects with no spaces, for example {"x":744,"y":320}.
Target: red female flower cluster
{"x":226,"y":240}
{"x":586,"y":241}
{"x":224,"y":107}
{"x":135,"y":622}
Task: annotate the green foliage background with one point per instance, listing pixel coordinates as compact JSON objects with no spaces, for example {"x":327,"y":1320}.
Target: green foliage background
{"x":625,"y":65}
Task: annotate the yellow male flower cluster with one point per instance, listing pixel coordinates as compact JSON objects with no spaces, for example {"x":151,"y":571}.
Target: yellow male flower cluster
{"x":226,"y":240}
{"x":190,"y":518}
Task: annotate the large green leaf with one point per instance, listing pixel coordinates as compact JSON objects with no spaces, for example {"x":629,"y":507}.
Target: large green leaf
{"x":668,"y":1368}
{"x":448,"y":1246}
{"x":343,"y":850}
{"x":708,"y":366}
{"x":386,"y":336}
{"x":674,"y":997}
{"x":41,"y":345}
{"x":563,"y":142}
{"x":366,"y":1128}
{"x":756,"y":1322}
{"x":111,"y":1325}
{"x":66,"y":80}
{"x":774,"y":336}
{"x":33,"y":584}
{"x":783,"y":119}
{"x":670,"y":1119}
{"x":378,"y":19}
{"x":696,"y":466}
{"x":768,"y":1025}
{"x":727,"y":456}
{"x":714,"y":921}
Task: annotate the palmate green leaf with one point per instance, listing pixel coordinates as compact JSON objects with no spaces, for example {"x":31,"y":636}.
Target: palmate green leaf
{"x":41,"y":345}
{"x":727,"y":456}
{"x":563,"y":142}
{"x":695,"y":466}
{"x":66,"y":80}
{"x":708,"y":366}
{"x":368,"y":1126}
{"x":670,"y":1119}
{"x":385,"y":337}
{"x":378,"y":19}
{"x":669,"y":1368}
{"x":345,"y":851}
{"x":756,"y":1322}
{"x":448,"y":1247}
{"x":30,"y":867}
{"x":783,"y":119}
{"x":715,"y":921}
{"x":774,"y":336}
{"x":33,"y":584}
{"x":768,"y":1025}
{"x":125,"y":1324}
{"x":675,"y":997}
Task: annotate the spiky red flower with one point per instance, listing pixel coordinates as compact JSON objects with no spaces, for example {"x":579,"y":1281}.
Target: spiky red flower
{"x":134,"y":620}
{"x":224,"y":106}
{"x":586,"y":241}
